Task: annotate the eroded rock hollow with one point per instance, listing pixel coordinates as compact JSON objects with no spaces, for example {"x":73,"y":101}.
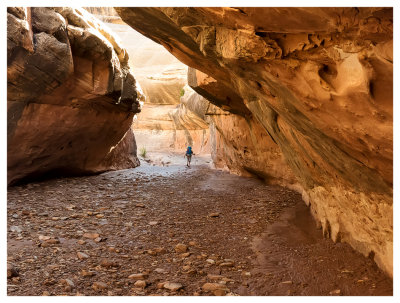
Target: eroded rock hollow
{"x":313,"y":85}
{"x":71,"y":96}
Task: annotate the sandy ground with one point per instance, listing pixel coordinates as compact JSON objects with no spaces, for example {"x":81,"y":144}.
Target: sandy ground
{"x":164,"y":229}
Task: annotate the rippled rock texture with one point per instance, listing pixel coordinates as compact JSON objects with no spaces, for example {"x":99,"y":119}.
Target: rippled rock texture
{"x":318,"y":82}
{"x":71,"y":95}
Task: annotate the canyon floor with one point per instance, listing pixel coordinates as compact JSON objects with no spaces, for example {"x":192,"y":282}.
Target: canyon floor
{"x":164,"y":229}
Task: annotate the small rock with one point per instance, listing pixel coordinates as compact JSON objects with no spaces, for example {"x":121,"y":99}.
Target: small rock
{"x":82,"y":255}
{"x":211,"y":261}
{"x":287,"y":282}
{"x":160,"y":285}
{"x":108,"y":263}
{"x":49,"y":282}
{"x":99,"y":216}
{"x":214,"y":277}
{"x":98,"y":286}
{"x":191,"y":271}
{"x":153,"y":223}
{"x":160,"y":270}
{"x":81,"y":242}
{"x":91,"y":235}
{"x":44,"y":238}
{"x":335,"y":292}
{"x":103,"y":222}
{"x":53,"y":241}
{"x":185,"y":255}
{"x":140,"y":283}
{"x":137,"y":276}
{"x":85,"y":273}
{"x":173,"y":286}
{"x":160,"y":250}
{"x":192,"y":243}
{"x":67,"y":282}
{"x":219,"y":292}
{"x":45,"y":293}
{"x":15,"y":228}
{"x":151,"y":252}
{"x":213,"y":287}
{"x":227,"y":264}
{"x":12,"y":271}
{"x":213,"y":215}
{"x":181,"y":248}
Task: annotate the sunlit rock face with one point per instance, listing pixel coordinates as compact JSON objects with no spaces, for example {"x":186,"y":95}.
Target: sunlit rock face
{"x":164,"y":124}
{"x":319,"y":82}
{"x":173,"y":127}
{"x":71,"y":96}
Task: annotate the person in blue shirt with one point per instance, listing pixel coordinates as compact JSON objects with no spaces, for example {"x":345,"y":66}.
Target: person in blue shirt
{"x":188,"y":155}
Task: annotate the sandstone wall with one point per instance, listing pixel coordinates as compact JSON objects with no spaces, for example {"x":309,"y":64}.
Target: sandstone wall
{"x":319,"y":81}
{"x":172,"y":127}
{"x":71,"y":96}
{"x":164,"y":124}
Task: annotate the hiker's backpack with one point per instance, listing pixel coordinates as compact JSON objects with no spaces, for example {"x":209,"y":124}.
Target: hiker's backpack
{"x":189,"y":151}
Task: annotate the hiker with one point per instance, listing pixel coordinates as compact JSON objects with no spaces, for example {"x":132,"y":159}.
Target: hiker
{"x":188,"y":155}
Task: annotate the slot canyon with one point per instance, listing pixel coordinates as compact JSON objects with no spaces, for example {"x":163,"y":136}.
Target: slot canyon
{"x":289,"y":113}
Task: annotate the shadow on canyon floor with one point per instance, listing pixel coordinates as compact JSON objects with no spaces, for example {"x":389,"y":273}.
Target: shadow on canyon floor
{"x":204,"y":231}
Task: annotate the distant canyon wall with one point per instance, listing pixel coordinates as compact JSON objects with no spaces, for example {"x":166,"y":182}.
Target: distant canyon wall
{"x":171,"y":127}
{"x":311,"y":85}
{"x":165,"y":123}
{"x":71,"y":96}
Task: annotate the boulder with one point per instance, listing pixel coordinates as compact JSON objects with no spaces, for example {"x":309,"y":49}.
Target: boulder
{"x":71,"y":96}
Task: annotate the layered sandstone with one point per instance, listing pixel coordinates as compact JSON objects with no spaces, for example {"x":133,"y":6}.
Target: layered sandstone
{"x":165,"y":123}
{"x":71,"y":96}
{"x":319,"y":82}
{"x":238,"y":141}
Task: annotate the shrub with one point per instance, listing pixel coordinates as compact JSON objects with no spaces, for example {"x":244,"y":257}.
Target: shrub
{"x":143,"y":152}
{"x":182,"y":92}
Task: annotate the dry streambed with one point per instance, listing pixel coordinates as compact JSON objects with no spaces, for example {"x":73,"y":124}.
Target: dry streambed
{"x":174,"y":231}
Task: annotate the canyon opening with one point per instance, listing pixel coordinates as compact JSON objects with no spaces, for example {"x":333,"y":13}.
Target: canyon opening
{"x":288,"y":112}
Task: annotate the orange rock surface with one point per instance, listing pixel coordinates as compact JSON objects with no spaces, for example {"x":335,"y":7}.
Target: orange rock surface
{"x":71,"y":96}
{"x":319,"y":82}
